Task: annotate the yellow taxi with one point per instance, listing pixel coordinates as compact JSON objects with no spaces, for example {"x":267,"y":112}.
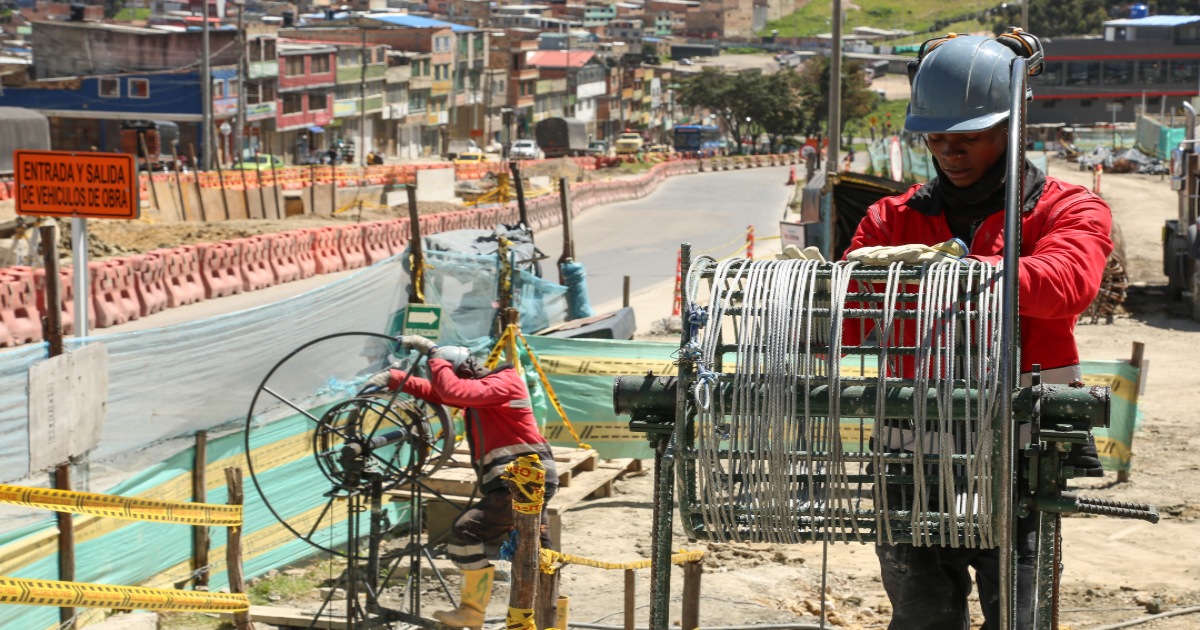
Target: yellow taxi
{"x":470,"y":157}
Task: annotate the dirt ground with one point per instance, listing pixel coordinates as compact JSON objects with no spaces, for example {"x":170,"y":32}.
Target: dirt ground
{"x":1115,"y":570}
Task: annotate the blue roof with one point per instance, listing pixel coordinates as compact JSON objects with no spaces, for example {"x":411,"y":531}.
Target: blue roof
{"x":416,"y":21}
{"x":1156,"y":20}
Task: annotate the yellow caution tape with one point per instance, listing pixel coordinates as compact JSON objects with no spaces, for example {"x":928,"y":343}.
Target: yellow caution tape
{"x":529,"y":476}
{"x":128,"y":508}
{"x":550,"y":561}
{"x":520,"y":619}
{"x":549,"y":389}
{"x":73,"y":594}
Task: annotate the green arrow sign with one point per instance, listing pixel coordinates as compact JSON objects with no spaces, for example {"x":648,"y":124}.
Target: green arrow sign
{"x":424,"y":320}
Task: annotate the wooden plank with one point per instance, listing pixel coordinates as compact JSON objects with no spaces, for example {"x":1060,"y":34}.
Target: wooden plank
{"x":295,"y":618}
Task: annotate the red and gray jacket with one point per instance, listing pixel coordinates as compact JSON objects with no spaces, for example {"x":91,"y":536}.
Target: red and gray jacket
{"x":1064,"y":248}
{"x":499,"y":417}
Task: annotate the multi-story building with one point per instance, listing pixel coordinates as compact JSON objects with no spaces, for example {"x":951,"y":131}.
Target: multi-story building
{"x":510,"y":55}
{"x":585,"y":76}
{"x":415,"y":127}
{"x":715,"y":19}
{"x":307,"y":75}
{"x":401,"y":140}
{"x":90,"y":76}
{"x":358,"y":96}
{"x":443,"y":41}
{"x":1153,"y":61}
{"x":260,"y":93}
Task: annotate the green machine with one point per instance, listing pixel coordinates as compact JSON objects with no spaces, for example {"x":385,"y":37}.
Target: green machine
{"x":787,"y":423}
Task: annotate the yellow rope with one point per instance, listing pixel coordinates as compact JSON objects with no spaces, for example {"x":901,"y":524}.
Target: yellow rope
{"x":550,"y":390}
{"x":550,"y":561}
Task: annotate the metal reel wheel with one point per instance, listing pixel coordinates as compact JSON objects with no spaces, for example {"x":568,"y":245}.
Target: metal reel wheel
{"x":307,"y":420}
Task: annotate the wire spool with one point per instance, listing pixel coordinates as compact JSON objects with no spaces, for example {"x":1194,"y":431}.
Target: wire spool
{"x":778,"y":359}
{"x":308,"y":411}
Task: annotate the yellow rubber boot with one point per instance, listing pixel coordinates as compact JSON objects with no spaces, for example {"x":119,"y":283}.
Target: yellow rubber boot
{"x":476,"y":593}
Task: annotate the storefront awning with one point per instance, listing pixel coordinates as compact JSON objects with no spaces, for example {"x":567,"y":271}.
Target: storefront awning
{"x":315,"y":129}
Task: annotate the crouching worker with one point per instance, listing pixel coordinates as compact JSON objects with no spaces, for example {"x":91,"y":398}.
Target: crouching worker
{"x":500,"y":427}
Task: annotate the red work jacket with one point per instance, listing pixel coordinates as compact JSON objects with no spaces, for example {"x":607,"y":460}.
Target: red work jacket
{"x":1064,"y":248}
{"x":500,"y":422}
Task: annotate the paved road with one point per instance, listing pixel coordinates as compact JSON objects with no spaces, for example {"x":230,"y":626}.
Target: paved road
{"x":637,"y":238}
{"x":641,"y":238}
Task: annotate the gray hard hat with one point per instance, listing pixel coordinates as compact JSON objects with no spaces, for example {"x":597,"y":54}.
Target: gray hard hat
{"x":962,"y":84}
{"x":456,"y":355}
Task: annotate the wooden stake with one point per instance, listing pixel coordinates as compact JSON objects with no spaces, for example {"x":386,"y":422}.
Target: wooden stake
{"x":262,"y":196}
{"x":221,"y":181}
{"x":625,"y":293}
{"x":691,"y":594}
{"x":53,"y":321}
{"x":312,"y":189}
{"x":416,"y":288}
{"x":233,"y":547}
{"x":149,"y":171}
{"x":183,"y":204}
{"x":522,"y":211}
{"x":568,"y":248}
{"x":66,"y":542}
{"x":546,"y":614}
{"x":522,"y":596}
{"x":196,"y":174}
{"x":630,"y":598}
{"x":200,"y":539}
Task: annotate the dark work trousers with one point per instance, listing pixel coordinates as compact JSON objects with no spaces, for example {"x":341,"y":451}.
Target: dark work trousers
{"x":928,"y":586}
{"x":488,"y":519}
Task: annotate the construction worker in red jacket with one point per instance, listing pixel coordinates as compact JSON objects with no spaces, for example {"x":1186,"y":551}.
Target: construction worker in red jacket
{"x":960,"y":102}
{"x":500,"y":427}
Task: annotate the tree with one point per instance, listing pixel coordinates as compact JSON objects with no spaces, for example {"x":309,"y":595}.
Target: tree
{"x":781,"y":110}
{"x":857,"y":98}
{"x":732,"y":97}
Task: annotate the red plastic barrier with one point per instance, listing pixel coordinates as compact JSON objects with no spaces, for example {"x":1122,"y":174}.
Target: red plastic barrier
{"x":326,"y":250}
{"x":395,"y":232}
{"x":150,"y":282}
{"x":281,"y":255}
{"x":184,"y":285}
{"x":66,"y":296}
{"x":375,"y":243}
{"x":350,"y":244}
{"x":113,"y":295}
{"x":306,"y":255}
{"x":220,"y":269}
{"x":19,"y":313}
{"x":255,"y":268}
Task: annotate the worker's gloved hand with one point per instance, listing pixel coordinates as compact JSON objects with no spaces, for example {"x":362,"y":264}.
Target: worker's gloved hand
{"x":953,"y":249}
{"x":791,"y":252}
{"x":379,"y":380}
{"x":418,"y":343}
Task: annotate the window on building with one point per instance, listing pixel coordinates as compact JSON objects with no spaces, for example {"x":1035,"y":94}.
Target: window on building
{"x":293,"y":66}
{"x":1052,"y":74}
{"x":231,"y":87}
{"x":318,"y":101}
{"x":139,"y":88}
{"x":1183,"y":71}
{"x":218,"y":89}
{"x":110,"y":88}
{"x":416,"y":101}
{"x":293,"y":103}
{"x":395,"y":93}
{"x":1049,"y":104}
{"x":1087,"y":102}
{"x":1083,"y":73}
{"x":425,"y":65}
{"x":1152,"y":71}
{"x":374,"y":88}
{"x":462,"y":45}
{"x":1118,"y":72}
{"x":320,"y":64}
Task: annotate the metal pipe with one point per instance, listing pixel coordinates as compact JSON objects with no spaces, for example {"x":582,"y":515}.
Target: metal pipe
{"x":1010,"y":337}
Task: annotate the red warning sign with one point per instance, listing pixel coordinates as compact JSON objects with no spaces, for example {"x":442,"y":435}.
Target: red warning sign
{"x":69,"y":184}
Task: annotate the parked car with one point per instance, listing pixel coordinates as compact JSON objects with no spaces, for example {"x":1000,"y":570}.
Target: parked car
{"x":524,"y":150}
{"x":659,"y":148}
{"x":598,"y":147}
{"x":260,"y":162}
{"x":473,"y":156}
{"x":629,"y":143}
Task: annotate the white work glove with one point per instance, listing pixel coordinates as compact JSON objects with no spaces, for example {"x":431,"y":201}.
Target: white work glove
{"x":418,"y":343}
{"x":883,"y":255}
{"x":379,"y":380}
{"x":791,"y":252}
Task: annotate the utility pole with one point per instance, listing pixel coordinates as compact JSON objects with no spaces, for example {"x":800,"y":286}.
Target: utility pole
{"x":206,"y":94}
{"x":834,"y":135}
{"x":243,"y":72}
{"x":362,"y":113}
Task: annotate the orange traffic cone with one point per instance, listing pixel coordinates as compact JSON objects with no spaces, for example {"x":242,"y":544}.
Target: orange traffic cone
{"x":792,"y":176}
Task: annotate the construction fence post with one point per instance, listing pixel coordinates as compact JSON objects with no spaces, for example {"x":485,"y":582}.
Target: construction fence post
{"x":527,"y":482}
